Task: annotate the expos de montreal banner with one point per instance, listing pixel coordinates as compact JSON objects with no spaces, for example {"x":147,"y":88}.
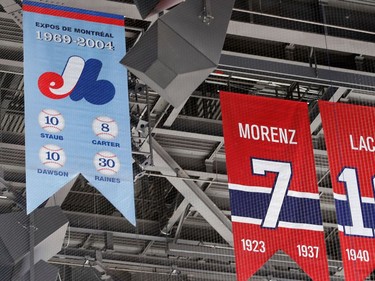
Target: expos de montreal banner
{"x":349,"y":135}
{"x":272,"y":184}
{"x":76,"y":104}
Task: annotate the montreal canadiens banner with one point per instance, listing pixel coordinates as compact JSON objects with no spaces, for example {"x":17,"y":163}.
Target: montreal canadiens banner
{"x":272,"y":182}
{"x":76,"y":104}
{"x":349,"y":134}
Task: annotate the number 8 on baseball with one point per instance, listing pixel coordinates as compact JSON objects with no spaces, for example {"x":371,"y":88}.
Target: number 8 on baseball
{"x":105,"y":127}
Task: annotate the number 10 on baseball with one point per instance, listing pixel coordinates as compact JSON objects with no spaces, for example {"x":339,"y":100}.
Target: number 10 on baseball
{"x":52,"y":156}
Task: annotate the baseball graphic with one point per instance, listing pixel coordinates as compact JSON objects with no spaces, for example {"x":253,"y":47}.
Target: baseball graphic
{"x":106,"y":163}
{"x":51,"y":120}
{"x":52,"y":156}
{"x":105,"y":127}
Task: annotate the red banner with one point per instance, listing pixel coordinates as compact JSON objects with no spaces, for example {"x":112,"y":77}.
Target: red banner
{"x":350,"y":138}
{"x":272,"y":182}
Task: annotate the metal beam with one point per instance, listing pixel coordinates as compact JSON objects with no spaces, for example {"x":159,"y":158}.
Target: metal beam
{"x":136,"y":236}
{"x":173,"y":115}
{"x":315,"y":124}
{"x":154,"y":267}
{"x":146,"y":248}
{"x":148,"y":268}
{"x":176,"y":216}
{"x":270,"y":68}
{"x":14,"y":10}
{"x":242,"y":29}
{"x":301,"y":38}
{"x":14,"y":46}
{"x":181,"y":210}
{"x":191,"y":191}
{"x":10,"y":66}
{"x":193,"y":137}
{"x":200,"y":249}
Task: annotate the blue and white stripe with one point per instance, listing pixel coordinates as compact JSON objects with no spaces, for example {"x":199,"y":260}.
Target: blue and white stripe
{"x":300,"y":210}
{"x":344,"y":215}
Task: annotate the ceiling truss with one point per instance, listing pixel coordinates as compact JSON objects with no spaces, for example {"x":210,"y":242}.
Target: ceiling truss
{"x":180,"y":151}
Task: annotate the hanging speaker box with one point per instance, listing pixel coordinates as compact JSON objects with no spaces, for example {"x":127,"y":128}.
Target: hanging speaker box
{"x":180,"y":50}
{"x":51,"y":225}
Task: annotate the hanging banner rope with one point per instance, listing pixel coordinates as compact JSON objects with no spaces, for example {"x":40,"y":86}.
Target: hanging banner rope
{"x":272,"y":183}
{"x":76,"y":104}
{"x":349,"y":135}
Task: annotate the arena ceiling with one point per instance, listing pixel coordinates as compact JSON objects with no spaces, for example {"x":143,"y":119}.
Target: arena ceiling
{"x":290,"y":49}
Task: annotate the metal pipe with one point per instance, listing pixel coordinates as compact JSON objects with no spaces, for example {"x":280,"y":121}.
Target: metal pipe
{"x":304,"y":21}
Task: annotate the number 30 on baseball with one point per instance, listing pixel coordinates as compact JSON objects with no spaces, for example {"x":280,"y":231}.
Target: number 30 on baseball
{"x":106,"y":163}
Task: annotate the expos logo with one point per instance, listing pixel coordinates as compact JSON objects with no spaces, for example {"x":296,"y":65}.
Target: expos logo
{"x":78,"y":80}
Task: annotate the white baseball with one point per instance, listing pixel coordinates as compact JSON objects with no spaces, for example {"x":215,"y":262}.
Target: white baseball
{"x":52,"y":156}
{"x":106,"y":163}
{"x":51,"y":120}
{"x":105,"y":127}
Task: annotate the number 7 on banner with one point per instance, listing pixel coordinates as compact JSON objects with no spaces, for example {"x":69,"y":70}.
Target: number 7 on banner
{"x":275,"y":203}
{"x":280,"y":188}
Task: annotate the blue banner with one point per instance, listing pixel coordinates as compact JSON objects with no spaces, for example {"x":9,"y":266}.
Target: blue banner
{"x":76,"y":104}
